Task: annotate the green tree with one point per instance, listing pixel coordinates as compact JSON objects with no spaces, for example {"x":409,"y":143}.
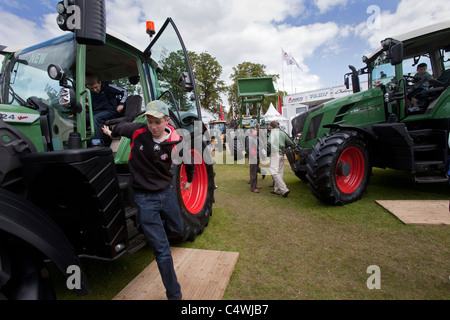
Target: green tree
{"x":248,"y":70}
{"x":207,"y":72}
{"x":125,"y":83}
{"x":173,"y":66}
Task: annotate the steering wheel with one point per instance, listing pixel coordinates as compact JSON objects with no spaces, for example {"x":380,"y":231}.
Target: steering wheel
{"x":409,"y":78}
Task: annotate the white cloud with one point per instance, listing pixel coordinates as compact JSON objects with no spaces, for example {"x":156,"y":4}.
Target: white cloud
{"x":326,"y":5}
{"x":410,"y":15}
{"x":235,"y":31}
{"x":19,"y":32}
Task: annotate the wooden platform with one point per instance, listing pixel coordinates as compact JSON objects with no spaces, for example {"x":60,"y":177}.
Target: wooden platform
{"x":419,"y":212}
{"x":202,"y":274}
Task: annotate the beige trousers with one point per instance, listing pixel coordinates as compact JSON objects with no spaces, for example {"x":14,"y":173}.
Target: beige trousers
{"x":277,"y":171}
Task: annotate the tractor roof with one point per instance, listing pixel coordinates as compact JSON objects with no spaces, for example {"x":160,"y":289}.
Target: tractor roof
{"x":422,"y":40}
{"x":429,"y":31}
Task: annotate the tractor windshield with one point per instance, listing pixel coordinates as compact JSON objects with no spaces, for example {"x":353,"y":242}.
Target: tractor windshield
{"x":219,"y":126}
{"x":383,"y":72}
{"x":30,"y":85}
{"x":29,"y":78}
{"x":446,"y":59}
{"x":410,"y":65}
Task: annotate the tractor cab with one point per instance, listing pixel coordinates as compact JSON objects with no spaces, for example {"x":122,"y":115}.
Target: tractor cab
{"x":65,"y":194}
{"x":393,"y":66}
{"x":218,"y":130}
{"x":47,"y":81}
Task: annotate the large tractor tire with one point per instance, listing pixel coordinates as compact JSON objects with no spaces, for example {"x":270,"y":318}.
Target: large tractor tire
{"x":196,"y":203}
{"x":339,"y":168}
{"x":23,"y":275}
{"x":301,"y":174}
{"x":237,"y":149}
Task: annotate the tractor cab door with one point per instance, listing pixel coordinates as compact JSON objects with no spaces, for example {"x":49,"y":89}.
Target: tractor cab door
{"x":172,"y":77}
{"x":172,"y":81}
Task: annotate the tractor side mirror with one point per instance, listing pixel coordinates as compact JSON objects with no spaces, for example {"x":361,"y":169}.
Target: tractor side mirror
{"x":185,"y":82}
{"x":86,"y":18}
{"x":355,"y":80}
{"x":394,"y":50}
{"x":93,"y":22}
{"x":396,"y":54}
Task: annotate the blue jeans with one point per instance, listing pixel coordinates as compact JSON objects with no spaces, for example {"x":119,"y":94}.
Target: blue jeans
{"x":100,"y":117}
{"x":157,"y":212}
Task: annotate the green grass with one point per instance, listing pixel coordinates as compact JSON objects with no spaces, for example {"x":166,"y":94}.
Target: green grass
{"x":299,"y":248}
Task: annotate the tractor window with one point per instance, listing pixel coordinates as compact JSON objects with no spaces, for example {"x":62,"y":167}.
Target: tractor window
{"x":169,"y":65}
{"x":410,"y":65}
{"x":446,"y":57}
{"x":30,"y":85}
{"x":383,"y":72}
{"x":29,"y":76}
{"x":220,"y":127}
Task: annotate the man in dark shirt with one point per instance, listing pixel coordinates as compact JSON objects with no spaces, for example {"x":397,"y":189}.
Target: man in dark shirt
{"x":105,"y":102}
{"x":153,"y":145}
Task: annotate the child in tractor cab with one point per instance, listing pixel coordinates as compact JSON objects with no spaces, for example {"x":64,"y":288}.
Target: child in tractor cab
{"x":105,"y":104}
{"x":420,"y":81}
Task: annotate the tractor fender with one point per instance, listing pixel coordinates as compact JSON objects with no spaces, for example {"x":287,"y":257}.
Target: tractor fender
{"x":24,"y":220}
{"x":12,"y":146}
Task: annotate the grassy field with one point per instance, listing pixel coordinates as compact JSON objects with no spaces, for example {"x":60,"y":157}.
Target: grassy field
{"x":297,"y":248}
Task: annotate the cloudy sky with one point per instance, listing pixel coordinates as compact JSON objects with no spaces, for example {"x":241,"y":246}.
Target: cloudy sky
{"x":324,"y":36}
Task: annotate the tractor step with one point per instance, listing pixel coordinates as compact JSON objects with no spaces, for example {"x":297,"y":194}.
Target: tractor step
{"x":136,"y":243}
{"x":431,"y":179}
{"x":123,"y":180}
{"x":427,"y":147}
{"x":130,"y":212}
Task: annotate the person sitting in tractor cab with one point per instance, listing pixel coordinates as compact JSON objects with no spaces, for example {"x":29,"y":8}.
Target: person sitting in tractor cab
{"x":421,"y":83}
{"x":105,"y":102}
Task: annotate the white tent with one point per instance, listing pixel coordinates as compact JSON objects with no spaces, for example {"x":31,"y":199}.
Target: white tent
{"x":273,"y":115}
{"x":207,"y":116}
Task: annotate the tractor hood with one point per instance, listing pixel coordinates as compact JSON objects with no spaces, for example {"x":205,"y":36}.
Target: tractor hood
{"x":362,"y":108}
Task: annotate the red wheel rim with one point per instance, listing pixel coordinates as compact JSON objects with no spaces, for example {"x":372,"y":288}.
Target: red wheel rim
{"x":354,"y":158}
{"x":194,"y":199}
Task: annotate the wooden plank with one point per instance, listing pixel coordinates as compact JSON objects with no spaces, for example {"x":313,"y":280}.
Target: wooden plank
{"x":419,"y":212}
{"x":202,"y":274}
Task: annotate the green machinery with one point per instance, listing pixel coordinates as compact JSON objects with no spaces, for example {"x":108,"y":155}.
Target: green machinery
{"x":63,"y":195}
{"x":253,"y":90}
{"x":340,"y":141}
{"x":250,"y":90}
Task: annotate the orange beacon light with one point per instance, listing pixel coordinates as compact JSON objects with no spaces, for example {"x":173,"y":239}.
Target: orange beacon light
{"x":150,"y":28}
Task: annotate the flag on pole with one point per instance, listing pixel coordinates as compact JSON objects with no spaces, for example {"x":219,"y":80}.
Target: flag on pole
{"x":280,"y":105}
{"x":289,"y":59}
{"x":221,"y":113}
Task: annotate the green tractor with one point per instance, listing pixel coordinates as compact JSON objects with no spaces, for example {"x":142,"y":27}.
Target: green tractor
{"x":64,"y":195}
{"x":339,"y":142}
